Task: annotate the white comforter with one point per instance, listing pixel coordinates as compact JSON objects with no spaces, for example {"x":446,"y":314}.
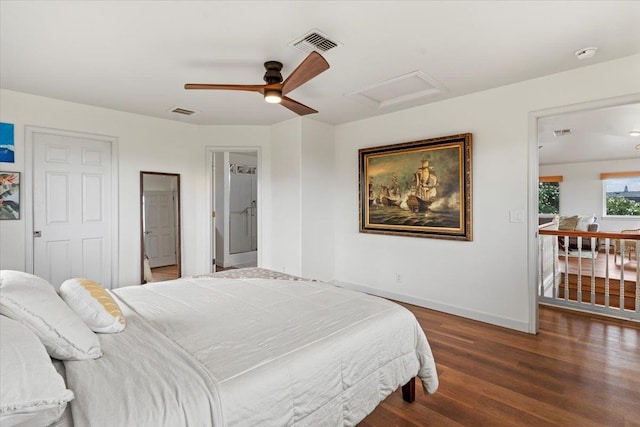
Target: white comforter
{"x":251,"y":352}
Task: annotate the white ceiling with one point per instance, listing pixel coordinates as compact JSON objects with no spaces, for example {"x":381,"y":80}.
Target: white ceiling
{"x":136,"y":55}
{"x":601,"y":134}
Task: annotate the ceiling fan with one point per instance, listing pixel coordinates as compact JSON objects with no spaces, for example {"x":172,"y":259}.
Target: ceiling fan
{"x":275,"y":89}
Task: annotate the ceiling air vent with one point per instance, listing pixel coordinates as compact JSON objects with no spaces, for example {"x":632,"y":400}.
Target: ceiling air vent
{"x":562,"y":132}
{"x":183,"y":111}
{"x":314,"y":40}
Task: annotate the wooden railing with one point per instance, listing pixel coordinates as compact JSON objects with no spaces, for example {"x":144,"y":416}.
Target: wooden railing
{"x":583,"y":283}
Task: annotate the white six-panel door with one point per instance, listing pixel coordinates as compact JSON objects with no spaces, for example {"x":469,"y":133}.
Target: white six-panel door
{"x":71,"y":210}
{"x":159,"y":228}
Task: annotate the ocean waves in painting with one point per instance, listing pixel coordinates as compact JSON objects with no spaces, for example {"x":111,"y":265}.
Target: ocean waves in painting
{"x":392,"y":215}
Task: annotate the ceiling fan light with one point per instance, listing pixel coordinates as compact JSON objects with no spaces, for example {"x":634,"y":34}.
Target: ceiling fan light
{"x":272,"y":96}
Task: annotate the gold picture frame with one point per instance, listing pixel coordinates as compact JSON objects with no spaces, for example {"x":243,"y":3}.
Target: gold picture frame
{"x":418,"y":189}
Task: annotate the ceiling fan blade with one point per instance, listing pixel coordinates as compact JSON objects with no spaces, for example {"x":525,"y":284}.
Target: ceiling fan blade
{"x":313,"y":65}
{"x":296,"y":107}
{"x":250,"y":88}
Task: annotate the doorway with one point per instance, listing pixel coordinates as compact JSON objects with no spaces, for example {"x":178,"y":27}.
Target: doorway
{"x":235,"y":207}
{"x":550,"y":133}
{"x":243,"y":194}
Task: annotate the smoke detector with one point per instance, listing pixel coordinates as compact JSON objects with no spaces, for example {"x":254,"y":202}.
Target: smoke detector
{"x":586,"y":53}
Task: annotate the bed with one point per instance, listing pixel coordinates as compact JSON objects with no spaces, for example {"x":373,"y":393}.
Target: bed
{"x":248,"y":348}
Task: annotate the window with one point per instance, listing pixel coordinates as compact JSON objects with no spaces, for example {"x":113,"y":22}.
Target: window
{"x":549,"y":194}
{"x":621,"y":193}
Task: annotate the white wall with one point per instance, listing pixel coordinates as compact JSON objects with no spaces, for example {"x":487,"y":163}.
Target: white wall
{"x":486,"y":279}
{"x":303,"y":204}
{"x":582,"y":192}
{"x":286,"y":155}
{"x":317,"y":206}
{"x":145,"y":143}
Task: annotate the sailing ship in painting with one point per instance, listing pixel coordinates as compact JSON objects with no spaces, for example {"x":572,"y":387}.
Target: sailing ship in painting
{"x":422,"y":193}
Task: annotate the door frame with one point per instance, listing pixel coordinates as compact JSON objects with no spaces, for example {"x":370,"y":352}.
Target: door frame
{"x":533,"y":174}
{"x":28,"y":180}
{"x":209,"y":151}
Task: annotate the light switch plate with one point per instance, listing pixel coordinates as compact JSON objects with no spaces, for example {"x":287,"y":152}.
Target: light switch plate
{"x":516,"y":216}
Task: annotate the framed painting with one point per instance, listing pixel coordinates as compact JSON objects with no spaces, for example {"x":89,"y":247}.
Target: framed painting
{"x":9,"y":195}
{"x":6,"y":143}
{"x":419,"y":189}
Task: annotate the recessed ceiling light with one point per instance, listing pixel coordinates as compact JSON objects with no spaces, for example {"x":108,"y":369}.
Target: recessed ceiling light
{"x":634,"y":133}
{"x":586,"y":53}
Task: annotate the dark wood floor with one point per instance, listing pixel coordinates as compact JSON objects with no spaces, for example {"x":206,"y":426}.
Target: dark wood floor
{"x":580,"y":370}
{"x":160,"y":274}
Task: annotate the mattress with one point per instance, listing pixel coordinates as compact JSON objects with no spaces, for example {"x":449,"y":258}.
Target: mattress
{"x":246,"y":352}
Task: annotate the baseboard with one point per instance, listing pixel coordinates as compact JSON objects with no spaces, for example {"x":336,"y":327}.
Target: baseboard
{"x":241,"y":259}
{"x":438,"y":306}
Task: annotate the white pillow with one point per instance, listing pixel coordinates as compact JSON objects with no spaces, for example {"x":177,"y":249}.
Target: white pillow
{"x":93,"y":304}
{"x":34,"y":302}
{"x":584,"y":222}
{"x":31,"y":391}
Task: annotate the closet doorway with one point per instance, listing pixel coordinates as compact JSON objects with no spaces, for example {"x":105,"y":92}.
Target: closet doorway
{"x":235,"y":208}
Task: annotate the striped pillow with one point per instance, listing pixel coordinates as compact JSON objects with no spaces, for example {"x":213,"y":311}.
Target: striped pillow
{"x":93,"y":304}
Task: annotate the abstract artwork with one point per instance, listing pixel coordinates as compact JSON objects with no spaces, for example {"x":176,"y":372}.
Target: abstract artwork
{"x":6,"y":143}
{"x":9,"y":195}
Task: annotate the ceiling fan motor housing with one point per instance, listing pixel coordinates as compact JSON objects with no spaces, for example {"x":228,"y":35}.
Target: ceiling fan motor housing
{"x":273,"y":72}
{"x":275,"y":89}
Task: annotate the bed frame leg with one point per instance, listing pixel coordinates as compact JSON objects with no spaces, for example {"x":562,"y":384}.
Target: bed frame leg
{"x":409,"y":391}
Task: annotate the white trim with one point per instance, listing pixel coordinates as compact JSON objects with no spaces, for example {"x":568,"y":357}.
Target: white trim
{"x":533,"y":273}
{"x":438,"y":306}
{"x":534,"y":165}
{"x":209,"y":150}
{"x":29,"y":131}
{"x":604,"y":202}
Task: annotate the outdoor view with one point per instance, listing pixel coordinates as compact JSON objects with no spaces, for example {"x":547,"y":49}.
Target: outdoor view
{"x":623,"y":196}
{"x":549,"y":197}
